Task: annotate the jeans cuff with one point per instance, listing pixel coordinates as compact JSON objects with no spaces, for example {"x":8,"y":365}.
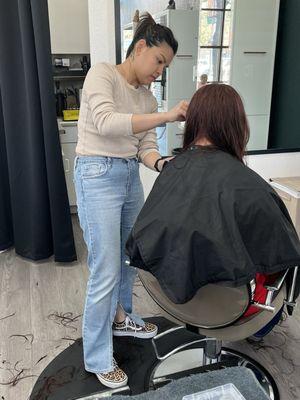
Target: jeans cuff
{"x":137,"y":319}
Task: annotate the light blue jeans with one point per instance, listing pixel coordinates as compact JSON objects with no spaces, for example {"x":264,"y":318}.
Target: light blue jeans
{"x":109,"y":198}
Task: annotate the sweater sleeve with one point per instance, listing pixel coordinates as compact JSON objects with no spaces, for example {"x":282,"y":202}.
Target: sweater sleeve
{"x":99,"y":88}
{"x":148,"y":142}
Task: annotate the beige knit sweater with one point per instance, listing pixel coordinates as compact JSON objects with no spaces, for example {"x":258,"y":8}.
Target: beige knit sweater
{"x":107,"y":104}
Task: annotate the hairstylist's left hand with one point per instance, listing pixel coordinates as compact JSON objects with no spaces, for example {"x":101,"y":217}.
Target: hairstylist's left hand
{"x":162,"y":163}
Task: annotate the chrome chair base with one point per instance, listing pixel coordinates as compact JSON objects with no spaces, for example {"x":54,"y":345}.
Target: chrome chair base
{"x":190,"y":361}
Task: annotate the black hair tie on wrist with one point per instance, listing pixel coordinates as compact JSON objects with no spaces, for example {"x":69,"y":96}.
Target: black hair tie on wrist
{"x":156,"y":164}
{"x":164,"y":164}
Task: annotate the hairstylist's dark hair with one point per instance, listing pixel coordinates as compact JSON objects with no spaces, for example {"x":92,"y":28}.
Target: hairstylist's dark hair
{"x":154,"y":34}
{"x":216,"y":112}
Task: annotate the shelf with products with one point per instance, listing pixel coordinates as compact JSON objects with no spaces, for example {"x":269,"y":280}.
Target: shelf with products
{"x":57,"y":75}
{"x":70,"y":66}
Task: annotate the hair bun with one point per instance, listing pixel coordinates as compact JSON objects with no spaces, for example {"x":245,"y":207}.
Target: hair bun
{"x":144,"y":27}
{"x":147,"y":19}
{"x":136,"y":17}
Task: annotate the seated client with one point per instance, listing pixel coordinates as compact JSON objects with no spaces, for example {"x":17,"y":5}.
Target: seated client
{"x":209,"y":218}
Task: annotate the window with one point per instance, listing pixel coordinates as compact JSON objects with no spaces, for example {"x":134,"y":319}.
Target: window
{"x":215,"y":29}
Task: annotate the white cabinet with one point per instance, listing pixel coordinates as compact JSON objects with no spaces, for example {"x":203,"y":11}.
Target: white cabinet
{"x":68,"y":155}
{"x":69,"y":26}
{"x":253,"y":55}
{"x":68,"y":138}
{"x":259,"y":127}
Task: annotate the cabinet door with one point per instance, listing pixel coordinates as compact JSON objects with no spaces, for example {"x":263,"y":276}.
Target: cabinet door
{"x":69,"y":26}
{"x":68,"y":132}
{"x":68,"y":155}
{"x":253,"y":52}
{"x":180,"y":75}
{"x":174,"y":133}
{"x":259,"y":127}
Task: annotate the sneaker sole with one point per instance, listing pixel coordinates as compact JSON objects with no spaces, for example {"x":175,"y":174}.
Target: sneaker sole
{"x":110,"y":384}
{"x":139,"y":335}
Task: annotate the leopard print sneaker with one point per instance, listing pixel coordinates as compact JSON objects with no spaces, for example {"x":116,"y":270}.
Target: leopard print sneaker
{"x":114,"y":379}
{"x":130,"y":328}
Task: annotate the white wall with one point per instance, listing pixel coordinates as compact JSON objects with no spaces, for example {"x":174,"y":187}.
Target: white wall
{"x":266,"y":165}
{"x":68,"y":22}
{"x":275,"y":165}
{"x":102,"y":31}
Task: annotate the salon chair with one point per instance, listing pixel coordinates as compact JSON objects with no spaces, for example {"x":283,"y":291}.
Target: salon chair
{"x":216,"y":313}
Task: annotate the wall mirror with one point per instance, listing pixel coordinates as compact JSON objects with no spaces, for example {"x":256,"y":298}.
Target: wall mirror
{"x":249,"y":45}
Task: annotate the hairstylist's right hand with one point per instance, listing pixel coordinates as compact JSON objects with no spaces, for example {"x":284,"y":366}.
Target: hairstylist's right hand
{"x":178,"y":113}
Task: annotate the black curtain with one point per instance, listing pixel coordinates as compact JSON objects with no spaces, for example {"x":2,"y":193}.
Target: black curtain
{"x":34,"y":208}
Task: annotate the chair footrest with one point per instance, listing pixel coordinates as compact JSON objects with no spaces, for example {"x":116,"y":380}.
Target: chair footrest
{"x":176,"y":338}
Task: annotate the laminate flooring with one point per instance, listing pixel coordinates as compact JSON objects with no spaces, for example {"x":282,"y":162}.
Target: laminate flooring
{"x":41,"y":313}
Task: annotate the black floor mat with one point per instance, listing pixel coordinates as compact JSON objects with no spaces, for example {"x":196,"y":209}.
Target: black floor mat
{"x":66,"y":379}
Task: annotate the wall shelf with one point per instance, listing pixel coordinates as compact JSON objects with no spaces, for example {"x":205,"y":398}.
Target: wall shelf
{"x":69,"y":74}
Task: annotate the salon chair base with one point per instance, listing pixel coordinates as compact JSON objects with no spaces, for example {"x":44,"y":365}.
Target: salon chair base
{"x":66,"y":379}
{"x":190,"y":362}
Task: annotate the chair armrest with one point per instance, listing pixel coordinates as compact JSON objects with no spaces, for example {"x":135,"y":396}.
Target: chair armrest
{"x":271,"y":289}
{"x":275,"y":287}
{"x":290,"y":301}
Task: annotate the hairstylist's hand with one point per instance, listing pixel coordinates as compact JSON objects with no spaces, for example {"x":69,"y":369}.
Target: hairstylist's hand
{"x":178,"y":113}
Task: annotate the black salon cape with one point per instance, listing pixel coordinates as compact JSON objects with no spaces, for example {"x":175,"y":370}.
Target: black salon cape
{"x":209,"y":219}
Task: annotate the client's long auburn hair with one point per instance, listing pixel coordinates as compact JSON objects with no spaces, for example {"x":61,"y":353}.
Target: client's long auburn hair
{"x":216,"y":112}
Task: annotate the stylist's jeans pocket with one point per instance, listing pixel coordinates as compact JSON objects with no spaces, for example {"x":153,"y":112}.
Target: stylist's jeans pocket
{"x":94,"y":169}
{"x":91,"y":176}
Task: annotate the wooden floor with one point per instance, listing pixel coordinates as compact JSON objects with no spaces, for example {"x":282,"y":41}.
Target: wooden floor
{"x":40,"y":315}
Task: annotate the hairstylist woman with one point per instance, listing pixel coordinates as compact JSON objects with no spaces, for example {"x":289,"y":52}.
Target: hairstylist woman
{"x":115,"y":132}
